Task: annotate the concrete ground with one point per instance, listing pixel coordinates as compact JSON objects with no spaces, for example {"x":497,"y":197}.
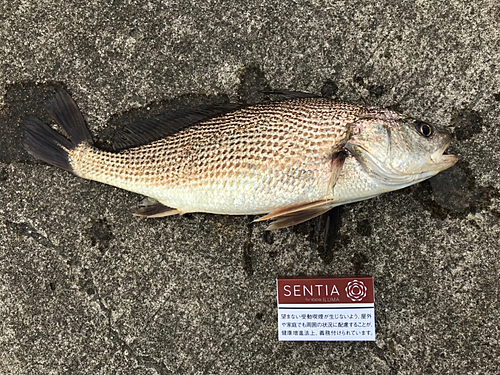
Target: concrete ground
{"x":86,"y":288}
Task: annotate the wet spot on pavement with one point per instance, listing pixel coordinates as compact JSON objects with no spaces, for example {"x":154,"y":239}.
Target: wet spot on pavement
{"x":449,"y":189}
{"x":21,"y":100}
{"x":467,"y":123}
{"x":364,"y":228}
{"x":101,"y":234}
{"x":329,"y":89}
{"x":252,"y":85}
{"x":454,"y":193}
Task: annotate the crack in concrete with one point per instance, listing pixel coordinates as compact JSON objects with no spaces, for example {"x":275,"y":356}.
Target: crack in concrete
{"x":27,"y":230}
{"x":142,"y":360}
{"x":247,"y":250}
{"x":381,"y":353}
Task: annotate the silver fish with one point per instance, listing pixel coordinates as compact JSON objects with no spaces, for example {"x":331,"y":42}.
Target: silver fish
{"x":291,"y":160}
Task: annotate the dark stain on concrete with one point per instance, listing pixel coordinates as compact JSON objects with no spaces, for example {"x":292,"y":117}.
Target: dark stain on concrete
{"x":329,"y":89}
{"x":374,"y":90}
{"x":359,"y":261}
{"x":4,"y":175}
{"x":451,"y":189}
{"x":21,"y":100}
{"x":466,"y":123}
{"x":86,"y":283}
{"x":364,"y":228}
{"x":100,"y":234}
{"x":25,"y":230}
{"x":247,"y":261}
{"x":358,"y":80}
{"x":252,"y":85}
{"x":268,"y":237}
{"x":454,"y":193}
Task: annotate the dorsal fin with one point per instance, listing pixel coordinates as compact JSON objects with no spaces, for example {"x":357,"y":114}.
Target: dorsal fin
{"x":149,"y":130}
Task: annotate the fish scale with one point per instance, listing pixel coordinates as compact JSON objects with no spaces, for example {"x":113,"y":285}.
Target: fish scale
{"x":293,"y":159}
{"x":276,"y":152}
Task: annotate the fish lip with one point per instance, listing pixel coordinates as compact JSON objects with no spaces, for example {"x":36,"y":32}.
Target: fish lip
{"x":438,"y":158}
{"x":447,"y":159}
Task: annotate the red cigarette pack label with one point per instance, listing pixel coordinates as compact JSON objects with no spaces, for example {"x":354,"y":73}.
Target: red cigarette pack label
{"x":326,"y":309}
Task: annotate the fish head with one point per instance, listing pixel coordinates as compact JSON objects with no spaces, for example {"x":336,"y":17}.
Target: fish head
{"x":399,"y":150}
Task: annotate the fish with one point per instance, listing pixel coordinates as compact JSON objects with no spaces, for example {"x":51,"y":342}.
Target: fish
{"x":289,"y":160}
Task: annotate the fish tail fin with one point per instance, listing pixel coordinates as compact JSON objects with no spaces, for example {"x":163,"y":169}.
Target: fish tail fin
{"x":46,"y":144}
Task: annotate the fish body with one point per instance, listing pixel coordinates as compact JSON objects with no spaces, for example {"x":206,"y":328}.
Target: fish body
{"x":292,"y":159}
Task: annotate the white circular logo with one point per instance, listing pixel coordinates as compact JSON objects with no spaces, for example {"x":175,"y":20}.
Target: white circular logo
{"x":356,"y":290}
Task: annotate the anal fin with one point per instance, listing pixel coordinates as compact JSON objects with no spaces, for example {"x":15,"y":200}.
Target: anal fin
{"x":292,"y":215}
{"x":154,"y":209}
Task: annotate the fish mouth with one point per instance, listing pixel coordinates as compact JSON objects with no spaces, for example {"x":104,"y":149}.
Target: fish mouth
{"x":439,"y":161}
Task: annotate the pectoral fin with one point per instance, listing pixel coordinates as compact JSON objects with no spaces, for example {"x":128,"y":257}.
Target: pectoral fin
{"x":154,"y":209}
{"x":292,"y":215}
{"x":336,"y":163}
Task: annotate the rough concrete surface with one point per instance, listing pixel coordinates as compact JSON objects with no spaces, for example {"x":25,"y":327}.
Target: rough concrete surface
{"x":86,"y":288}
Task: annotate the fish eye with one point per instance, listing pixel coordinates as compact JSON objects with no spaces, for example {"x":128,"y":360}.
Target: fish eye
{"x":424,"y":128}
